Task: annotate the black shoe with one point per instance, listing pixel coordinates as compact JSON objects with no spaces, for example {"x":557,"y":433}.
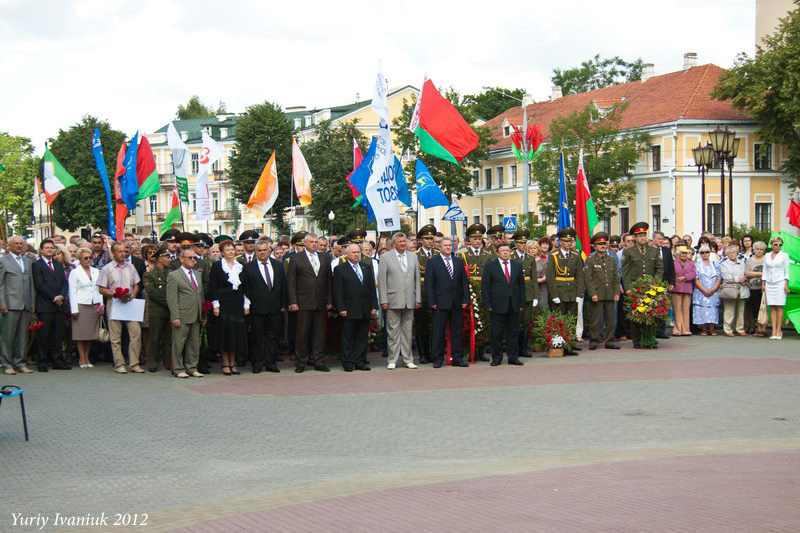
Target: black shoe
{"x":272,"y":369}
{"x":481,"y":358}
{"x":256,"y":371}
{"x":423,"y":360}
{"x":526,"y":354}
{"x":638,"y":346}
{"x":152,"y":369}
{"x":364,"y":368}
{"x":570,"y":352}
{"x":322,"y":368}
{"x":62,"y":367}
{"x":41,"y":368}
{"x":279,"y":359}
{"x":299,"y":369}
{"x":348,"y":369}
{"x":462,"y":364}
{"x":610,"y":346}
{"x":437,"y":364}
{"x":661,"y":337}
{"x":495,"y":363}
{"x":593,"y":346}
{"x":577,"y":348}
{"x":516,"y":362}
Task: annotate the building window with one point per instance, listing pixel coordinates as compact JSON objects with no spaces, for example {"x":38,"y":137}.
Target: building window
{"x":542,"y":218}
{"x":624,"y":219}
{"x":214,"y":201}
{"x":499,"y":177}
{"x":607,"y":225}
{"x":223,"y":132}
{"x":763,"y":216}
{"x":298,"y":123}
{"x":488,"y":221}
{"x":487,"y":175}
{"x":655,"y":217}
{"x":513,"y":175}
{"x":506,"y":131}
{"x":476,"y":179}
{"x":154,"y":203}
{"x":194,"y":202}
{"x":656,"y":151}
{"x":195,"y":163}
{"x":714,"y":218}
{"x":476,"y":219}
{"x":762,"y":154}
{"x":215,"y":166}
{"x":432,"y":221}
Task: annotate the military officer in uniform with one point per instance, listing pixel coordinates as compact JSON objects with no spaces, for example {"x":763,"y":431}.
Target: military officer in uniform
{"x":248,"y":238}
{"x":171,"y":238}
{"x":564,"y":273}
{"x":298,"y":246}
{"x":160,"y":331}
{"x":475,"y":258}
{"x":356,"y":236}
{"x":602,"y":285}
{"x":183,"y":239}
{"x":422,"y":316}
{"x":202,"y":242}
{"x":520,"y":238}
{"x":639,"y":260}
{"x":496,"y":234}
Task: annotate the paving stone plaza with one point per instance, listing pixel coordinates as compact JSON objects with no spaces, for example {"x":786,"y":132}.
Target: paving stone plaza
{"x":701,"y":435}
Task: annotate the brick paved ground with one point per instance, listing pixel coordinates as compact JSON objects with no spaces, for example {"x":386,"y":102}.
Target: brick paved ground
{"x":702,"y":435}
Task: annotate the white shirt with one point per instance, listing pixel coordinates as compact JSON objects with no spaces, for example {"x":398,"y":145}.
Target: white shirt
{"x":268,"y":268}
{"x":475,"y":251}
{"x":314,"y":260}
{"x":20,"y":262}
{"x":248,"y":257}
{"x":358,"y":270}
{"x":83,"y":289}
{"x":565,"y":253}
{"x":428,"y":253}
{"x":189,"y":276}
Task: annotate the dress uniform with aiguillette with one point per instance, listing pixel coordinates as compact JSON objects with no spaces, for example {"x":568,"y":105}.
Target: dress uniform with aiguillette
{"x":475,"y":258}
{"x":637,"y":261}
{"x":423,"y":315}
{"x":520,"y":254}
{"x":565,"y":276}
{"x":602,"y":285}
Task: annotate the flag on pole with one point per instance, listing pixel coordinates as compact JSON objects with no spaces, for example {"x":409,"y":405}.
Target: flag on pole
{"x":454,"y":213}
{"x":146,"y":175}
{"x":301,"y":175}
{"x":174,"y":214}
{"x":48,"y":198}
{"x":358,"y":157}
{"x":382,"y":187}
{"x":360,"y":177}
{"x":181,"y":162}
{"x":121,"y":209}
{"x":56,"y":178}
{"x":585,"y":214}
{"x":428,"y":192}
{"x":266,"y":190}
{"x":100,"y":164}
{"x":441,"y":129}
{"x":212,"y":151}
{"x":564,"y":218}
{"x":129,"y":183}
{"x":793,"y":214}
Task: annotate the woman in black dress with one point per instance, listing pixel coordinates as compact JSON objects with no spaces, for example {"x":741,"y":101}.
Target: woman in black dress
{"x":230,"y":329}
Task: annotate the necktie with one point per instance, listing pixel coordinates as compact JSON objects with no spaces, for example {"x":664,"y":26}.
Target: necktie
{"x":267,"y":277}
{"x":449,"y":267}
{"x":315,"y":263}
{"x":402,"y":259}
{"x":50,"y":264}
{"x":508,"y":274}
{"x":194,"y":282}
{"x":358,"y":273}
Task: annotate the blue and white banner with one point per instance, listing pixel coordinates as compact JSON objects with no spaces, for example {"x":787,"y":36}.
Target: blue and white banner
{"x":382,"y":193}
{"x":100,"y":163}
{"x":454,"y":213}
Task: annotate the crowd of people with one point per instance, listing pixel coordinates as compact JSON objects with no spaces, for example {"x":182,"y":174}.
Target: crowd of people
{"x":255,"y":301}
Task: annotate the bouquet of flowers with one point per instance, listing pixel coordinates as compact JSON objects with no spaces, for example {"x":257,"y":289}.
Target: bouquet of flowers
{"x":480,"y":313}
{"x":35,"y":324}
{"x":648,"y":305}
{"x":119,"y":292}
{"x":553,"y":330}
{"x":207,"y":306}
{"x":375,"y":335}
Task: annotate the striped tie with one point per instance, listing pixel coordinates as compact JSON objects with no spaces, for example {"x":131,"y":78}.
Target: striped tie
{"x":449,"y":267}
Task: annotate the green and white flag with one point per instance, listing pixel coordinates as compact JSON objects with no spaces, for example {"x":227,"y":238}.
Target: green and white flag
{"x":56,"y":177}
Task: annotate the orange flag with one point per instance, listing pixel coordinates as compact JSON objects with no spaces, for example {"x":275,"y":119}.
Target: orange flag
{"x":122,"y":210}
{"x":48,"y":198}
{"x":301,"y":174}
{"x":266,"y":190}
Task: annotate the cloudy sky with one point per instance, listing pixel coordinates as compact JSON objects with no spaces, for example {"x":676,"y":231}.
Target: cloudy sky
{"x":134,"y":62}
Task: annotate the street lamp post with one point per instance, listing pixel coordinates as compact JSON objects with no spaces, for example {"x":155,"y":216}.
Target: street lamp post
{"x":331,"y":217}
{"x":702,"y":160}
{"x":723,"y":143}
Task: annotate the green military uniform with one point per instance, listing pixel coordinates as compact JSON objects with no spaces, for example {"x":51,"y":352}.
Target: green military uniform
{"x":638,"y":261}
{"x":495,"y":232}
{"x":601,"y":281}
{"x":531,"y":287}
{"x":160,"y":329}
{"x":423,"y":315}
{"x":247,"y":237}
{"x":565,"y":276}
{"x":475,"y":259}
{"x":171,"y":236}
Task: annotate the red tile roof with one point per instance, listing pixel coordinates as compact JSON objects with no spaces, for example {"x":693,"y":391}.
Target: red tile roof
{"x":665,"y":98}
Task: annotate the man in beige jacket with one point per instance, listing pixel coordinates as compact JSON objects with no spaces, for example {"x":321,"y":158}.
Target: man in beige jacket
{"x":185,"y":300}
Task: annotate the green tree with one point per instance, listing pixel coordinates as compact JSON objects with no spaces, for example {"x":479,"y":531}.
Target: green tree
{"x":194,"y":108}
{"x":262,"y":129}
{"x":492,"y":102}
{"x":610,"y":156}
{"x":767,"y":86}
{"x":85,"y":203}
{"x":455,"y":181}
{"x":596,"y":73}
{"x":16,"y":183}
{"x":330,"y":158}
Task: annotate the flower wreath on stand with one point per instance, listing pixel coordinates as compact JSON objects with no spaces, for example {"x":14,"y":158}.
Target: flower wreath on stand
{"x":553,"y":330}
{"x":481,"y":317}
{"x":648,"y":306}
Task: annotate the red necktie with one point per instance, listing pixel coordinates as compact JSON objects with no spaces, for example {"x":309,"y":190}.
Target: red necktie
{"x":194,"y":283}
{"x":50,"y":264}
{"x":508,"y":274}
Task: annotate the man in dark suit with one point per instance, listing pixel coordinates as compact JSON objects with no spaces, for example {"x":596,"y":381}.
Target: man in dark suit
{"x":661,"y":243}
{"x":290,"y":319}
{"x":357,"y":303}
{"x":503,"y":293}
{"x":309,"y":282}
{"x":448,"y":295}
{"x":51,"y":294}
{"x":264,"y":284}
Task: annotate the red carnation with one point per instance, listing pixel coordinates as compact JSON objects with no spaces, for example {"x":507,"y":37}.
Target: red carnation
{"x":560,"y":323}
{"x":207,"y":306}
{"x":548,"y":337}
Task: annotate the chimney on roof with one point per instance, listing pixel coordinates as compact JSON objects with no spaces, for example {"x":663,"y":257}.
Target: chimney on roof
{"x":556,"y":92}
{"x":527,"y":99}
{"x":648,"y":71}
{"x":689,"y":60}
{"x":184,"y":136}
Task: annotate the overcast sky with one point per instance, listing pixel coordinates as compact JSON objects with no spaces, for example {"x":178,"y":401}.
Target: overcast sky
{"x":134,"y":62}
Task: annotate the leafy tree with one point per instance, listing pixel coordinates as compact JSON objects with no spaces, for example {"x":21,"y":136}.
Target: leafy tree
{"x":492,"y":102}
{"x":85,"y":203}
{"x":197,"y":109}
{"x":766,"y":86}
{"x":16,"y":182}
{"x":610,"y":156}
{"x":262,"y":129}
{"x":596,"y":73}
{"x":330,"y":158}
{"x":455,"y":181}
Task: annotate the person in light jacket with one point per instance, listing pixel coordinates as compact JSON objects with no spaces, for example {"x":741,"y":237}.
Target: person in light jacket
{"x":682,"y":291}
{"x":733,"y":273}
{"x":85,"y":305}
{"x":775,"y":283}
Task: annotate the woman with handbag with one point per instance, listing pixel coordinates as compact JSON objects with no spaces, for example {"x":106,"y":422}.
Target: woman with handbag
{"x":775,"y":284}
{"x":86,"y":305}
{"x":705,"y":300}
{"x":754,"y":269}
{"x":685,"y":274}
{"x":734,"y":292}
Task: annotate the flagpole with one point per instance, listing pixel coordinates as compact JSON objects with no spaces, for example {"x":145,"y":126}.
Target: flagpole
{"x":152,"y":226}
{"x":180,"y":208}
{"x":52,"y":226}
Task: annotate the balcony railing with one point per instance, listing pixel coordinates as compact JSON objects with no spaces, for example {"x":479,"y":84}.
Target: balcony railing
{"x":167,"y":180}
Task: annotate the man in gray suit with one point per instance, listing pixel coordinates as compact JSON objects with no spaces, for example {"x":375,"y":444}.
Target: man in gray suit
{"x":400,"y":295}
{"x":16,"y":304}
{"x":185,"y":301}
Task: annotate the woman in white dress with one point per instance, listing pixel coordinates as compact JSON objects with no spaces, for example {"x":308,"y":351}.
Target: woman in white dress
{"x":775,"y":284}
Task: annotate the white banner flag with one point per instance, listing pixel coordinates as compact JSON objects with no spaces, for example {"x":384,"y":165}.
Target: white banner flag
{"x":210,"y":154}
{"x":382,"y":184}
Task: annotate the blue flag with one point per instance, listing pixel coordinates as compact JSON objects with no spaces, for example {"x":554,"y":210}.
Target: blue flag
{"x":402,"y":185}
{"x":454,"y":213}
{"x":428,"y":192}
{"x":360,"y":177}
{"x":564,"y":218}
{"x":129,"y":183}
{"x":100,"y":163}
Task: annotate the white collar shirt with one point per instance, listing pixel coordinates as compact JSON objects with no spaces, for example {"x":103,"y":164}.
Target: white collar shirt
{"x":268,"y":267}
{"x":20,"y":262}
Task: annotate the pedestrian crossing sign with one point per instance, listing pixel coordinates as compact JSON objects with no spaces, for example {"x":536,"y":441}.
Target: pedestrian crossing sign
{"x":510,"y":223}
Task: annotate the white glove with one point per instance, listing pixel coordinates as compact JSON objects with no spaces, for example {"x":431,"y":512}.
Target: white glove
{"x":556,"y":300}
{"x":535,"y":303}
{"x":579,"y":299}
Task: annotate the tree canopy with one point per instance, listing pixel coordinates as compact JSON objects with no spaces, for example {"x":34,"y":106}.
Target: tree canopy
{"x":16,"y":182}
{"x":767,"y":87}
{"x":194,"y":108}
{"x":262,"y":129}
{"x":85,"y":203}
{"x":610,"y":156}
{"x":596,"y":73}
{"x":492,"y":102}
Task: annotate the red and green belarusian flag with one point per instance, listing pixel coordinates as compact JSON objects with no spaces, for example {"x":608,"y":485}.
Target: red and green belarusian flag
{"x":585,"y":214}
{"x":174,"y":214}
{"x":146,"y":173}
{"x":441,"y":129}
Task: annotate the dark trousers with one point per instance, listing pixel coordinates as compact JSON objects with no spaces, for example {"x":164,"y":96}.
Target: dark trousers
{"x":505,"y":327}
{"x":355,"y":333}
{"x":291,"y":331}
{"x":49,"y":339}
{"x":159,"y":349}
{"x":569,"y":308}
{"x":601,"y":311}
{"x":623,"y":328}
{"x":525,"y":318}
{"x":310,"y":337}
{"x":265,"y":334}
{"x":422,"y":332}
{"x":442,"y":318}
